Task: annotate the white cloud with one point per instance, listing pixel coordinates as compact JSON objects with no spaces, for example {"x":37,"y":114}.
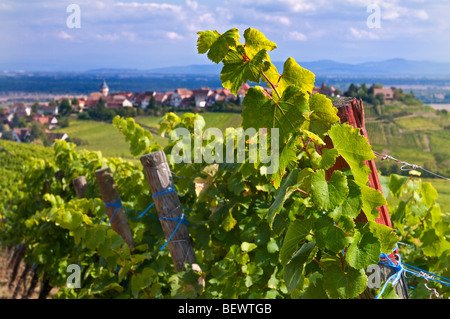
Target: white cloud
{"x":192,"y":4}
{"x":107,"y":36}
{"x":297,"y":36}
{"x":156,"y":7}
{"x":363,"y":34}
{"x":282,"y":20}
{"x":173,"y":35}
{"x":300,"y":5}
{"x":64,"y":35}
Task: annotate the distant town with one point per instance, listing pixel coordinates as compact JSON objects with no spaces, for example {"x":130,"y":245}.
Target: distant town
{"x":28,"y":121}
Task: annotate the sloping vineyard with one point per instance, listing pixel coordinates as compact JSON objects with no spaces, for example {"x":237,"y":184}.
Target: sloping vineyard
{"x":257,"y":233}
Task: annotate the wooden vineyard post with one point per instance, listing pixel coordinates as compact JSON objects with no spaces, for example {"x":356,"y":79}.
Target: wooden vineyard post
{"x":352,"y":113}
{"x":169,"y":209}
{"x":110,"y":195}
{"x":79,"y":183}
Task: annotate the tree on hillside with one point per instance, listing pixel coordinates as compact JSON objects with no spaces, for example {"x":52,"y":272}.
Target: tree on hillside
{"x":38,"y":133}
{"x":352,"y":90}
{"x":65,"y":108}
{"x":35,"y":107}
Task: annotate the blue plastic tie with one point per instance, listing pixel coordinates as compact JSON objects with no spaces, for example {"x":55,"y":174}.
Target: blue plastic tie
{"x":395,"y":277}
{"x":180,"y":219}
{"x":402,"y":267}
{"x":115,"y":203}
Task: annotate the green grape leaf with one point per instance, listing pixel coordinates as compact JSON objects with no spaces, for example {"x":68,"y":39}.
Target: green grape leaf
{"x":396,"y":183}
{"x":351,"y":207}
{"x":324,"y":114}
{"x":255,"y":41}
{"x":292,"y":274}
{"x":387,"y":237}
{"x":344,"y":285}
{"x":281,"y":195}
{"x":328,"y":195}
{"x":296,"y":233}
{"x":294,"y":74}
{"x":222,"y":44}
{"x":371,"y":199}
{"x":432,"y":244}
{"x":315,"y":288}
{"x":328,"y":235}
{"x":326,"y":160}
{"x":354,"y":148}
{"x":287,"y":160}
{"x":429,"y":194}
{"x":236,"y":70}
{"x":229,"y":221}
{"x":363,"y":251}
{"x":286,"y":114}
{"x":206,"y":39}
{"x":247,"y":247}
{"x":70,"y":220}
{"x":389,"y":292}
{"x":142,"y":280}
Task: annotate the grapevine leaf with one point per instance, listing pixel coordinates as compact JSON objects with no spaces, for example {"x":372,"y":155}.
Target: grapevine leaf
{"x":142,"y":280}
{"x":351,"y":207}
{"x":295,"y":234}
{"x":429,"y":193}
{"x":329,"y":236}
{"x":288,"y":160}
{"x":286,"y":114}
{"x":222,"y":44}
{"x":229,"y":221}
{"x":292,"y":274}
{"x":432,"y":244}
{"x":294,"y":74}
{"x":389,"y":292}
{"x":237,"y":71}
{"x":354,"y":148}
{"x":371,"y":198}
{"x":281,"y":195}
{"x":326,"y":160}
{"x":315,"y":288}
{"x":328,"y":195}
{"x":247,"y":247}
{"x":363,"y":251}
{"x":386,"y":235}
{"x":324,"y":114}
{"x":344,"y":285}
{"x":206,"y":39}
{"x":255,"y":41}
{"x":396,"y":183}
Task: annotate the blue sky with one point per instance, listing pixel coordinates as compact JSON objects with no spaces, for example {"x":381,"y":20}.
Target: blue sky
{"x":150,"y":34}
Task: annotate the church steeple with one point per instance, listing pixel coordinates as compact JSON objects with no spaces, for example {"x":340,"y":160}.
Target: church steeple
{"x":104,"y":89}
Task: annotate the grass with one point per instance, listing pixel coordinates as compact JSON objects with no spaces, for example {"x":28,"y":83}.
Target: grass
{"x":219,"y":120}
{"x":101,"y":136}
{"x":104,"y":137}
{"x":417,"y":123}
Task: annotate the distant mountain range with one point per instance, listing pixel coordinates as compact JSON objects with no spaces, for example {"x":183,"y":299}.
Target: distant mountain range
{"x":395,"y":72}
{"x":389,"y":68}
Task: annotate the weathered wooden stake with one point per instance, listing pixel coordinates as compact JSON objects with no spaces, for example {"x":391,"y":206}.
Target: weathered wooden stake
{"x":80,"y":184}
{"x":349,"y":111}
{"x":110,"y":194}
{"x":168,"y":205}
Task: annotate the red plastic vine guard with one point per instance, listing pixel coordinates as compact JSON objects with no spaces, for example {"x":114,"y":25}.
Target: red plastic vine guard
{"x":352,"y":113}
